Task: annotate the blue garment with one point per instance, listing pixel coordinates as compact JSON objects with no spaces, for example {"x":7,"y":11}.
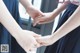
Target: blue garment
{"x":5,"y":37}
{"x":69,"y":43}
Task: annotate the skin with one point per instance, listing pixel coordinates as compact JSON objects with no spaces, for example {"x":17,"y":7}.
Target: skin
{"x":72,"y":23}
{"x":32,"y":11}
{"x":49,"y":17}
{"x":25,"y":38}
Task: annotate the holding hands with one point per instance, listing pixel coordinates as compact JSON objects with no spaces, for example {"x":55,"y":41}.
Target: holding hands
{"x":45,"y":41}
{"x":43,"y":19}
{"x":39,"y":17}
{"x":33,"y":12}
{"x":29,"y":40}
{"x":26,"y":40}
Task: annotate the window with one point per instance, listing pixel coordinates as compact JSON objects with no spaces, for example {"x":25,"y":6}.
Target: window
{"x":23,"y":13}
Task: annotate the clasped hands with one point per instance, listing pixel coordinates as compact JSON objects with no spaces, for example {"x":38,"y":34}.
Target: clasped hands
{"x":29,"y":40}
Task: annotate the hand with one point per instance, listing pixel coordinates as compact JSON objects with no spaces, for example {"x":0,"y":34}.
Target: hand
{"x":26,"y":40}
{"x":44,"y":41}
{"x":33,"y":12}
{"x":43,"y":19}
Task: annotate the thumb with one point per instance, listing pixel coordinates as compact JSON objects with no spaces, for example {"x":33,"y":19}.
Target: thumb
{"x":36,"y":20}
{"x":36,"y":45}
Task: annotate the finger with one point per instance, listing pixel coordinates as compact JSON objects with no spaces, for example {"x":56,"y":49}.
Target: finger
{"x":39,"y":41}
{"x":30,"y":49}
{"x":37,"y":45}
{"x":35,"y":23}
{"x":41,"y":13}
{"x":36,"y":20}
{"x":37,"y":36}
{"x":42,"y":22}
{"x":33,"y":50}
{"x":33,"y":46}
{"x":42,"y":44}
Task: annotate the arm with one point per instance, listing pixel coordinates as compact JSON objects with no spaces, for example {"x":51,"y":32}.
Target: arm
{"x":32,"y":11}
{"x":49,"y":17}
{"x":59,"y":9}
{"x":72,"y":23}
{"x":26,"y":3}
{"x":24,"y":38}
{"x":7,"y":20}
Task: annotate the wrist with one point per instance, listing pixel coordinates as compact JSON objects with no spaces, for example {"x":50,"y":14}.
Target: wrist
{"x":51,"y":17}
{"x":17,"y":33}
{"x":29,"y":8}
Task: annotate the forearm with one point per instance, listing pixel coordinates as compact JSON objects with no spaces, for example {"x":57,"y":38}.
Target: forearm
{"x":7,"y":20}
{"x":57,"y":11}
{"x":72,"y":23}
{"x":26,"y":3}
